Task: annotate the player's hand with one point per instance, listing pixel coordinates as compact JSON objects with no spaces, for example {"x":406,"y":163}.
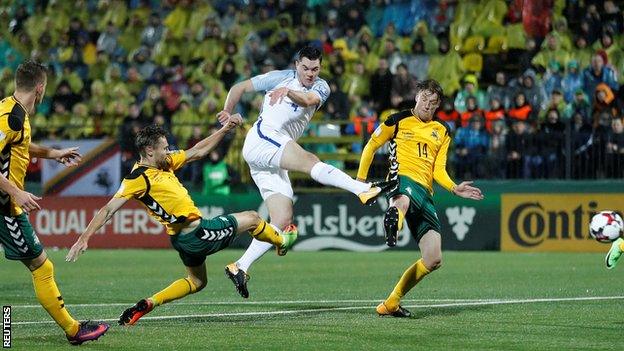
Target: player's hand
{"x":467,"y":191}
{"x":234,"y":121}
{"x":68,"y":157}
{"x":223,"y":116}
{"x":76,"y":250}
{"x":26,"y":201}
{"x":278,"y":95}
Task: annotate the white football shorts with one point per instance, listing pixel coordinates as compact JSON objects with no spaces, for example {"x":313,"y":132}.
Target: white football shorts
{"x":262,"y":150}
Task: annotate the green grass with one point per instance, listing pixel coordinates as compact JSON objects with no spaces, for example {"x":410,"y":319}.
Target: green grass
{"x":317,"y":284}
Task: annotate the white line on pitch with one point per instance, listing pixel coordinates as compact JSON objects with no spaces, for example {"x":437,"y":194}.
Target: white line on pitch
{"x":228,"y":303}
{"x":348,"y":308}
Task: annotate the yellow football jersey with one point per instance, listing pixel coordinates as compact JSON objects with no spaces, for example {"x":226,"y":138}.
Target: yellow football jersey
{"x":160,"y":191}
{"x":14,"y":145}
{"x":417,"y":149}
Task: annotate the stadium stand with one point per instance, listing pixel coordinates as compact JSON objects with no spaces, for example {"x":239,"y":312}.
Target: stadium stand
{"x":118,"y":65}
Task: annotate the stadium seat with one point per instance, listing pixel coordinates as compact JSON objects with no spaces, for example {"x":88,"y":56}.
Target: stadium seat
{"x":474,"y":43}
{"x":489,"y":18}
{"x":496,"y":44}
{"x":328,"y":130}
{"x":464,"y":17}
{"x":473,"y":62}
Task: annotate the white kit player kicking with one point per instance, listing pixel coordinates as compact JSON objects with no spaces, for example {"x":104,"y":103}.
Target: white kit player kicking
{"x":271,"y":150}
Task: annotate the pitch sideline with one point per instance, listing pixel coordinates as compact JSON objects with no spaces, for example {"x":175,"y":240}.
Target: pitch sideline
{"x":349,"y":308}
{"x":242,"y":302}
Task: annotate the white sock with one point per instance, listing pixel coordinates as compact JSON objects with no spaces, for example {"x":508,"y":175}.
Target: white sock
{"x":253,"y":253}
{"x":255,"y":250}
{"x":330,"y":175}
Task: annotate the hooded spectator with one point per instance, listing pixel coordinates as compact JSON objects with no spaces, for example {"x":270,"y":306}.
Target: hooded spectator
{"x":500,"y":90}
{"x":533,"y":90}
{"x":598,"y":72}
{"x":470,"y":88}
{"x":572,"y":81}
{"x":604,"y":102}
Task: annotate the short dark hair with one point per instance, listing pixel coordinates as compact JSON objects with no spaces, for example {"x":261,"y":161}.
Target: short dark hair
{"x":148,"y":136}
{"x":309,"y":52}
{"x":431,"y":86}
{"x":29,"y":73}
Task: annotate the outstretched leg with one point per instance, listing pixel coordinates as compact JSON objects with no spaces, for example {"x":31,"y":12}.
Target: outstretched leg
{"x":265,"y":232}
{"x":295,"y":158}
{"x":194,"y":282}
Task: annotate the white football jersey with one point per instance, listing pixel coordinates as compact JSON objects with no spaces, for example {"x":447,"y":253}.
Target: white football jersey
{"x":287,"y":117}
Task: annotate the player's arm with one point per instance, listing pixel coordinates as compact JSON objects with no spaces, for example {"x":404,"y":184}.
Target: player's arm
{"x":133,"y":186}
{"x":69,"y":156}
{"x":316,"y":96}
{"x":380,"y":136}
{"x":301,"y":98}
{"x":262,"y":82}
{"x":23,"y":199}
{"x":439,"y":169}
{"x":10,"y":131}
{"x":103,"y":215}
{"x":235,"y":94}
{"x":203,"y":148}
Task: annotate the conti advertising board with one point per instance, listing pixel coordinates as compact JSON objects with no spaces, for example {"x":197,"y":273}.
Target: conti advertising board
{"x":549,"y":222}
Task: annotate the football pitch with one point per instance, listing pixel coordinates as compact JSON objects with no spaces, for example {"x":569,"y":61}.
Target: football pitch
{"x":326,"y":300}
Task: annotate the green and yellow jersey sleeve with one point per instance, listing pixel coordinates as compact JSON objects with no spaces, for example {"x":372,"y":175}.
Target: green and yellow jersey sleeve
{"x":176,"y":159}
{"x":440,"y":175}
{"x":131,"y":188}
{"x":380,"y":136}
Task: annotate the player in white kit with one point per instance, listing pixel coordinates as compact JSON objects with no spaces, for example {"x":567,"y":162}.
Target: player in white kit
{"x":270,"y":149}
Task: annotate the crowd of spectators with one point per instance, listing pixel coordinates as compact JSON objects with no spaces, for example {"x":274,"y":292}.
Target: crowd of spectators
{"x":524,"y":95}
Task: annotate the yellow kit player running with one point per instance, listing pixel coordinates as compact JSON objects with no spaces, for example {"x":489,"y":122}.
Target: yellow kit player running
{"x":16,"y":234}
{"x":418,"y":149}
{"x":153,"y":183}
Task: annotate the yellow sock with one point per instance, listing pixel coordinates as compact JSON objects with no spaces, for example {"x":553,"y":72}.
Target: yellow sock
{"x":176,"y":290}
{"x":401,"y":217}
{"x":265,"y":232}
{"x":410,"y":278}
{"x":621,"y":246}
{"x":50,"y":298}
